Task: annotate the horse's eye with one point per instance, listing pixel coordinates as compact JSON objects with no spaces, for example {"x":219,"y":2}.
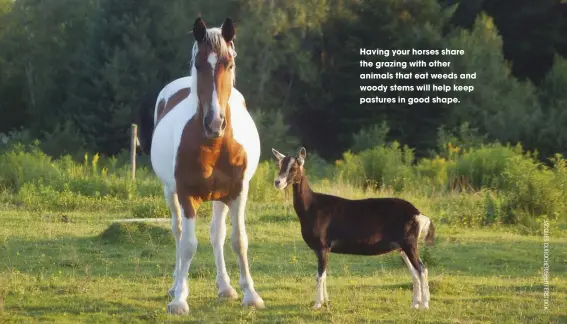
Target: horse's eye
{"x":230,"y":66}
{"x":197,"y":67}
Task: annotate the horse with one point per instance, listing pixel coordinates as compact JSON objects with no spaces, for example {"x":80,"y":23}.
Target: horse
{"x":204,"y":146}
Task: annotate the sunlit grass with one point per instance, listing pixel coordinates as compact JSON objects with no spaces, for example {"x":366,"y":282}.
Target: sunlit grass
{"x":59,"y":268}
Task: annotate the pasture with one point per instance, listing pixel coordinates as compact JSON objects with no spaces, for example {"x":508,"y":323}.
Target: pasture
{"x":65,"y":258}
{"x":82,"y":266}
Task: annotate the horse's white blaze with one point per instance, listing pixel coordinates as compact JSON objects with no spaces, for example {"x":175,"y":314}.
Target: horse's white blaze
{"x":212,"y":59}
{"x":216,"y":122}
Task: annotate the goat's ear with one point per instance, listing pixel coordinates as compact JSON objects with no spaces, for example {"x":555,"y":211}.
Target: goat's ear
{"x":228,"y":30}
{"x":303,"y":153}
{"x":278,"y":155}
{"x":199,"y":30}
{"x":302,"y":156}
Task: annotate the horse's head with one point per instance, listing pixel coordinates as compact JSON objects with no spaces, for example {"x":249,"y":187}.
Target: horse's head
{"x":213,"y":68}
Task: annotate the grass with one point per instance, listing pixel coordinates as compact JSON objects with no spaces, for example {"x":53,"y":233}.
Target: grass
{"x":83,"y":267}
{"x":64,"y":258}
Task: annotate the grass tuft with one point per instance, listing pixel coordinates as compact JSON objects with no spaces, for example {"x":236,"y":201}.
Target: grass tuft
{"x":136,"y":232}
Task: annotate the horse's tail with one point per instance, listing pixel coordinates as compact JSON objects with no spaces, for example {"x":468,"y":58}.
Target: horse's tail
{"x":145,"y":119}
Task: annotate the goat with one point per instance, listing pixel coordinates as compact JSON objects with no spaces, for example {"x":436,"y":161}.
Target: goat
{"x":373,"y":226}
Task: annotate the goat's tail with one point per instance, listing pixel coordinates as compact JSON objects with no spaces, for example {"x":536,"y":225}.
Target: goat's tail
{"x":426,"y":226}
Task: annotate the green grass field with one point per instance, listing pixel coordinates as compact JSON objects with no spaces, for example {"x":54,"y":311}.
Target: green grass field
{"x":78,"y":267}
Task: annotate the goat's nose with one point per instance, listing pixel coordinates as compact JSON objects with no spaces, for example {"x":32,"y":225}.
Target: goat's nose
{"x":277,"y":182}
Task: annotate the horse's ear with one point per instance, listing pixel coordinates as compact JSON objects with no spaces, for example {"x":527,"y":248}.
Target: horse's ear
{"x":278,"y":155}
{"x":228,"y":30}
{"x":199,"y":29}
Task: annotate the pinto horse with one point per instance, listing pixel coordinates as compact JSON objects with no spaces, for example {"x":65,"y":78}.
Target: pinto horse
{"x":205,"y":147}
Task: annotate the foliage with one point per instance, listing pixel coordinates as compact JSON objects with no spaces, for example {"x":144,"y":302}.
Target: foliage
{"x":87,"y":64}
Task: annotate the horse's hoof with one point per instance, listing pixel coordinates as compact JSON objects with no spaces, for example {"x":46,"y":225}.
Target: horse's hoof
{"x":317,"y":306}
{"x":415,"y":305}
{"x":253,"y":300}
{"x":228,"y":294}
{"x":425,"y":305}
{"x":178,"y":308}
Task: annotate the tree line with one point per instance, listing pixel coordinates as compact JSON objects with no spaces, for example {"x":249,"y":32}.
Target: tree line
{"x":74,"y":72}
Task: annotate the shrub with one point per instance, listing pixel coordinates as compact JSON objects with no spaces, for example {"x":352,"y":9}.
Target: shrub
{"x":370,"y":137}
{"x":481,"y":167}
{"x":24,"y":164}
{"x":382,"y":166}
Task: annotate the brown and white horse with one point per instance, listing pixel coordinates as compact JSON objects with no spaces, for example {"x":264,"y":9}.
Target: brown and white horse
{"x":205,"y":147}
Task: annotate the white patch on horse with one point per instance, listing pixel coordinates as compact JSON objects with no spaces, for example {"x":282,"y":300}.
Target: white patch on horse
{"x":212,"y":59}
{"x":218,"y":237}
{"x":187,"y":249}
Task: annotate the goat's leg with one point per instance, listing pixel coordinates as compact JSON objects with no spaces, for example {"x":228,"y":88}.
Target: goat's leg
{"x":424,"y":286}
{"x":321,"y":279}
{"x":411,"y":260}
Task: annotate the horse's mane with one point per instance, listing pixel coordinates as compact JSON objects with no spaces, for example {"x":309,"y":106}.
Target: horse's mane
{"x":214,"y":39}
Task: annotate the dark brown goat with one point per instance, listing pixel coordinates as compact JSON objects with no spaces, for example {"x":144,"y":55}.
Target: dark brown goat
{"x":371,"y":226}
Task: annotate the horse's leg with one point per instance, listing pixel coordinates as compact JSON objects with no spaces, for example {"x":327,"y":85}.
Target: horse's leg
{"x":218,"y":237}
{"x":239,"y":240}
{"x":173,"y":205}
{"x":187,"y":249}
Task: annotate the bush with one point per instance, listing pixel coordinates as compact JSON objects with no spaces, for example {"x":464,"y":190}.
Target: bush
{"x":370,"y":137}
{"x":25,"y":164}
{"x":380,"y":167}
{"x":481,"y":167}
{"x":487,"y":185}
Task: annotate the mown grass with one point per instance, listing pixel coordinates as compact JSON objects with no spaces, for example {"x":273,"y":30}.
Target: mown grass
{"x":81,"y":267}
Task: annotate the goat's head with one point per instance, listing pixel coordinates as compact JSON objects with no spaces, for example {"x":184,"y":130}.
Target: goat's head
{"x":290,"y":168}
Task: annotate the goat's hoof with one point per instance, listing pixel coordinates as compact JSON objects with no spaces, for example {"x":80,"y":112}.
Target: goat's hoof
{"x":178,"y":308}
{"x":252,"y":299}
{"x":229,"y":293}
